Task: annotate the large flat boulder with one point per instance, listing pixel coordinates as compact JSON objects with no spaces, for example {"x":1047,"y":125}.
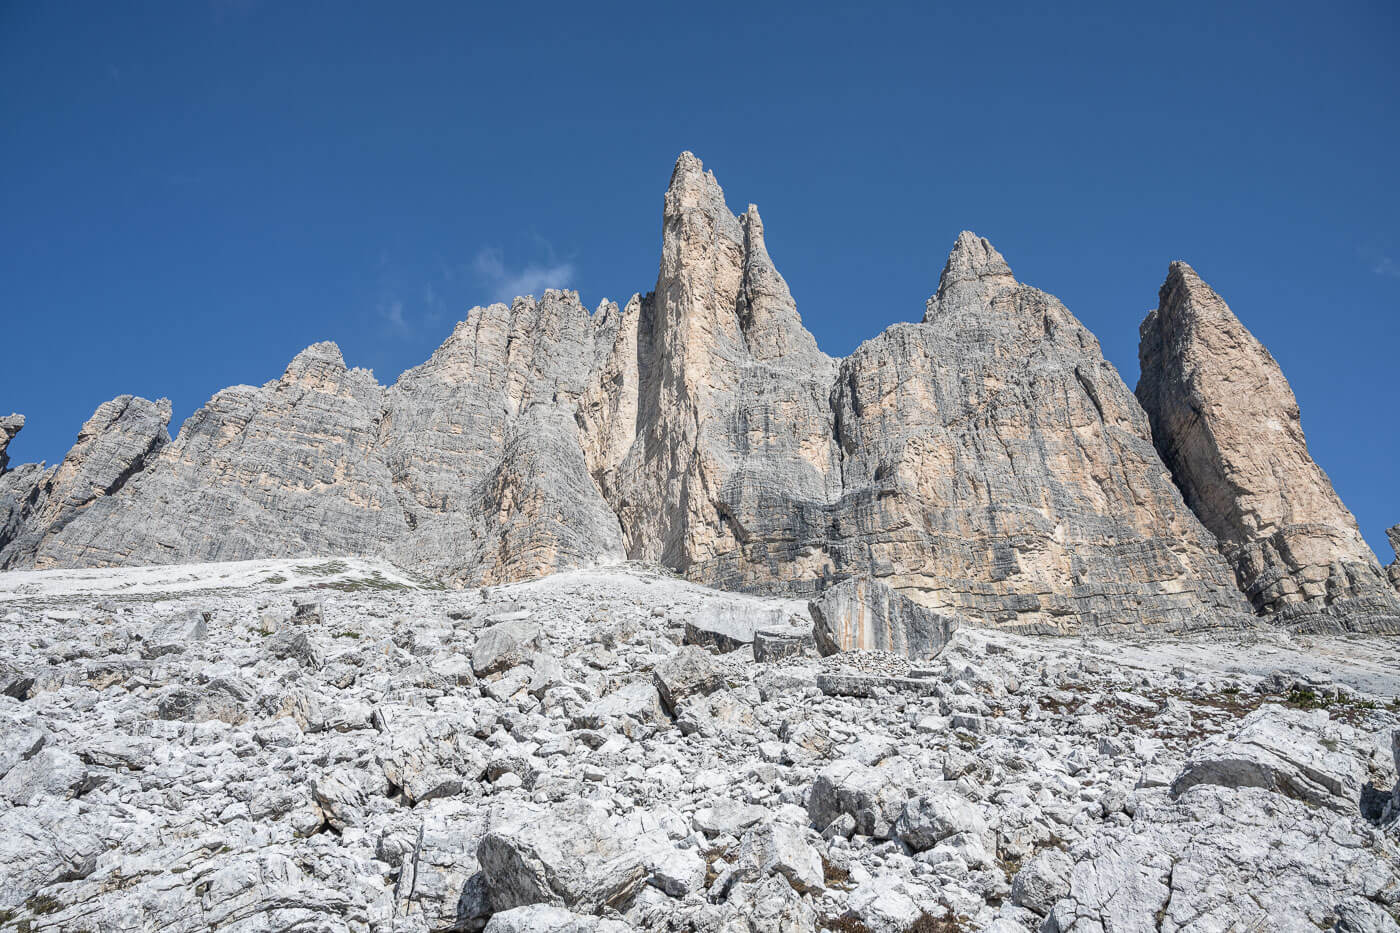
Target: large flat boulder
{"x":570,"y":856}
{"x":1297,"y":753}
{"x":862,"y":614}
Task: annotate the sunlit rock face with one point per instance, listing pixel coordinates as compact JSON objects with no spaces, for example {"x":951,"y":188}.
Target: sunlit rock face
{"x":984,"y":460}
{"x":1227,"y":425}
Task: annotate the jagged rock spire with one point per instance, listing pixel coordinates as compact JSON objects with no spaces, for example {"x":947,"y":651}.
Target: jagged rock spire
{"x":973,"y":275}
{"x":1226,"y":423}
{"x":114,"y":445}
{"x":10,"y":425}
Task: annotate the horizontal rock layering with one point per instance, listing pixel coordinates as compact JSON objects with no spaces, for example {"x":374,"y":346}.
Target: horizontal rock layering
{"x":984,"y":461}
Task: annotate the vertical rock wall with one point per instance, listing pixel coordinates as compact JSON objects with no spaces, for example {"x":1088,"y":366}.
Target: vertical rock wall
{"x":1227,"y":425}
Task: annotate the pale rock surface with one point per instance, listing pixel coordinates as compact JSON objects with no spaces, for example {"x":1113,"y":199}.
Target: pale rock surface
{"x":862,"y":614}
{"x":10,"y":425}
{"x":570,"y":856}
{"x":114,"y":445}
{"x":282,"y":470}
{"x":1393,"y":571}
{"x":1296,"y":753}
{"x":995,"y":465}
{"x":730,"y":454}
{"x":1226,"y":423}
{"x":985,"y":461}
{"x":177,"y":773}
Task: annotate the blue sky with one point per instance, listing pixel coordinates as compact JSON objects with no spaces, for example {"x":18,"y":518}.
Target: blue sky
{"x":194,"y":192}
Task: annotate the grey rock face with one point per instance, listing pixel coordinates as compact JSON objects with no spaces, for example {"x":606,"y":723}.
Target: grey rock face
{"x":115,"y":444}
{"x":865,"y":615}
{"x":1393,"y":571}
{"x":287,"y":469}
{"x":1227,"y":425}
{"x":10,"y":425}
{"x":1291,"y":752}
{"x":730,"y":450}
{"x":996,"y":465}
{"x":985,"y":461}
{"x":484,"y":453}
{"x":571,"y":856}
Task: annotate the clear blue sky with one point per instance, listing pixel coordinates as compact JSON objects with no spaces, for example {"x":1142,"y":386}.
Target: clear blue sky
{"x":192,"y":192}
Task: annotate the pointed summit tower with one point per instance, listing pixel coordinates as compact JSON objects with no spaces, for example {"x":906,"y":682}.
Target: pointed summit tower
{"x":1227,"y":424}
{"x":733,"y":453}
{"x":995,"y":464}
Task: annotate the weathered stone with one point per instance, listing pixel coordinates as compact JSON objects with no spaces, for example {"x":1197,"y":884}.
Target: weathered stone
{"x":115,"y":444}
{"x":503,"y":646}
{"x":1042,"y":881}
{"x":688,"y":672}
{"x":1296,"y":753}
{"x":571,"y":856}
{"x":728,"y":626}
{"x":782,"y":848}
{"x":545,"y":918}
{"x":10,"y":425}
{"x":862,"y":614}
{"x":995,"y":465}
{"x":774,"y":644}
{"x":873,"y":796}
{"x":1393,"y":571}
{"x":1227,"y":425}
{"x":931,"y":817}
{"x":985,"y":461}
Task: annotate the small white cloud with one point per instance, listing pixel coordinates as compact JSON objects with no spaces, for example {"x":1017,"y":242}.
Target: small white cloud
{"x":506,"y":283}
{"x":1386,"y":266}
{"x":392,"y":312}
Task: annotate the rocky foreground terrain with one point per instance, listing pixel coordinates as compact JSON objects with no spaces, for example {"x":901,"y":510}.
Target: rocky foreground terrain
{"x":326,"y":745}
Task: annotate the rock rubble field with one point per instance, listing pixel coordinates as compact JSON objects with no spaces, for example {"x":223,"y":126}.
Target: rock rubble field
{"x":331,"y":745}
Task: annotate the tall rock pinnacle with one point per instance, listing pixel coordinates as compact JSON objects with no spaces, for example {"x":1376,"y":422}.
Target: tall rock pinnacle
{"x":10,"y":425}
{"x":1227,"y":425}
{"x":732,"y":448}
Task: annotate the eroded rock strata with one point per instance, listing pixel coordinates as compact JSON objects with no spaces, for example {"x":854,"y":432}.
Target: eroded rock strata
{"x":1228,"y":426}
{"x":985,"y":460}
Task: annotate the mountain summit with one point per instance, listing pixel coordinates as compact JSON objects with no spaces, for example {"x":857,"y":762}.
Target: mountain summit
{"x":985,"y":460}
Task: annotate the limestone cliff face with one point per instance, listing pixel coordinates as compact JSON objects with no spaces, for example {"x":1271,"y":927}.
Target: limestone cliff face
{"x":114,"y":445}
{"x":1227,"y":425}
{"x":719,"y":445}
{"x":288,"y":468}
{"x":469,"y":468}
{"x":1393,"y":571}
{"x":985,"y":460}
{"x":483,"y":448}
{"x":994,"y":463}
{"x":10,"y":425}
{"x":17,"y":486}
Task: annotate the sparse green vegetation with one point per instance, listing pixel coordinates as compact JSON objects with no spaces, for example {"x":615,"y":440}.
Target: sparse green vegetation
{"x":329,"y":569}
{"x":43,"y":904}
{"x":1307,"y":698}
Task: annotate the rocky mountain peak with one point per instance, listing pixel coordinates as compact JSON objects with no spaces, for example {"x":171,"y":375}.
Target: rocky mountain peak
{"x":10,"y":425}
{"x":973,"y":275}
{"x":987,"y":462}
{"x":1226,"y":423}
